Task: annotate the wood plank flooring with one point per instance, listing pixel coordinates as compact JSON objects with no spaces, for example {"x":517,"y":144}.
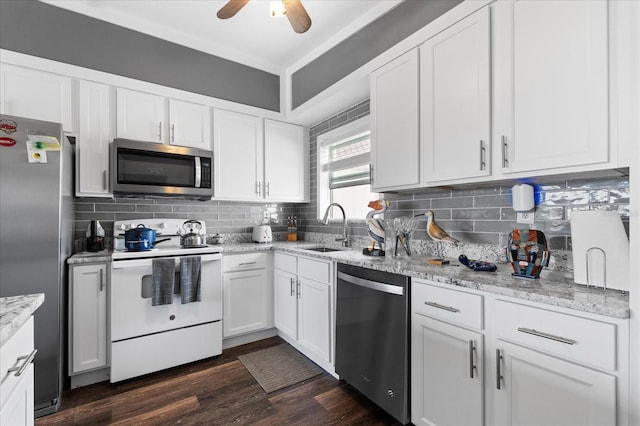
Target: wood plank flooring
{"x":216,"y":391}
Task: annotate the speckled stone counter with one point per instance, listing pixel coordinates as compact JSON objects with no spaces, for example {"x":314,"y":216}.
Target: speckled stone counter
{"x":553,"y":288}
{"x":15,"y":311}
{"x":90,"y":257}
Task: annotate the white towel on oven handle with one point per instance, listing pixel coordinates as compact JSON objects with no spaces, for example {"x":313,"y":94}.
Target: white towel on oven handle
{"x":190,"y":278}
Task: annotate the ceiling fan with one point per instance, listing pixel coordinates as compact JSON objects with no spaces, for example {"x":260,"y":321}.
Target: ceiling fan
{"x":294,"y":10}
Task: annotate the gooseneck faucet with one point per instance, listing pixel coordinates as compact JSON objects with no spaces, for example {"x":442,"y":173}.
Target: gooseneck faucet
{"x":325,"y":221}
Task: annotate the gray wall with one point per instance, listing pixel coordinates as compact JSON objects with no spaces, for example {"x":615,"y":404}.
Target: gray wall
{"x":363,"y":46}
{"x":481,"y":214}
{"x":45,"y":31}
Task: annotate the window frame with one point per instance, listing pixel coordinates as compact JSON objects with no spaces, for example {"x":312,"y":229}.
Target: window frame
{"x":323,"y":192}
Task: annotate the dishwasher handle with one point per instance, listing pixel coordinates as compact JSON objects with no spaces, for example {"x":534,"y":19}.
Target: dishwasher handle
{"x":373,"y":285}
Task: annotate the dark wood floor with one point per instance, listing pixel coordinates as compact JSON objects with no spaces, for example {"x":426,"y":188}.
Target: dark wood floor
{"x":216,"y":391}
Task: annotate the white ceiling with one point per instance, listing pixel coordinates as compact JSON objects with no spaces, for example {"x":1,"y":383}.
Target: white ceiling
{"x":251,"y":37}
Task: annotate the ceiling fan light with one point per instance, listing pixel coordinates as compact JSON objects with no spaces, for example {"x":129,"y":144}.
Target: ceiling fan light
{"x":276,"y":9}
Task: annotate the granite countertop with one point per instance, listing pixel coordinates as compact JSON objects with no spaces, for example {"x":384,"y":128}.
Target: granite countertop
{"x":15,"y":311}
{"x":553,"y":288}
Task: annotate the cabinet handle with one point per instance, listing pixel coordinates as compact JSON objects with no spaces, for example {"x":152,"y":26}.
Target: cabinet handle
{"x":160,"y":131}
{"x":173,"y":132}
{"x":101,"y":279}
{"x":298,"y":288}
{"x":472,"y":365}
{"x":292,"y":293}
{"x":439,"y":306}
{"x":498,"y":369}
{"x":258,"y":187}
{"x":104,"y":180}
{"x":370,"y":174}
{"x":547,"y":335}
{"x":246,"y":263}
{"x":20,"y":369}
{"x":482,"y":155}
{"x":266,"y":189}
{"x":505,"y":152}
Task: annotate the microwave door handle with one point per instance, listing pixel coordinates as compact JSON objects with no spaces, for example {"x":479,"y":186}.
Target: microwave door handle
{"x":198,"y":173}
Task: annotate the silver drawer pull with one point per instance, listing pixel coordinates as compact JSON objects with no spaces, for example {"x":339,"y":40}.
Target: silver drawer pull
{"x":246,"y":263}
{"x":547,"y":336}
{"x":28,"y":358}
{"x":439,"y":306}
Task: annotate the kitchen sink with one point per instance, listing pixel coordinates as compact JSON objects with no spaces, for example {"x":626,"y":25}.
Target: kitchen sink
{"x":323,"y":249}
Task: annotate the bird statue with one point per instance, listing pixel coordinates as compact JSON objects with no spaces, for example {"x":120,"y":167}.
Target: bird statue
{"x":375,"y":228}
{"x":435,"y":232}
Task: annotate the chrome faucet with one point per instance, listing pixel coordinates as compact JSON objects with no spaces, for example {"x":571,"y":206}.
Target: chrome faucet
{"x":325,"y":221}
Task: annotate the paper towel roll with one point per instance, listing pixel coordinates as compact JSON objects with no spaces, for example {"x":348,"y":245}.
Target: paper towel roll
{"x":600,"y":249}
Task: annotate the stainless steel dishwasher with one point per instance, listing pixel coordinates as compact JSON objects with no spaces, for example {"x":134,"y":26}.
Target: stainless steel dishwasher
{"x":372,"y":336}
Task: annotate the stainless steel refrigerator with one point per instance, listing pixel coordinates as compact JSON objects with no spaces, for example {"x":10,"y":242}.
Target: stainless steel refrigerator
{"x":36,"y":214}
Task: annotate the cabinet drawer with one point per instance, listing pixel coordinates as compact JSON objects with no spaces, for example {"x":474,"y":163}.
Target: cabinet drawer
{"x":317,"y":270}
{"x":449,"y":305}
{"x":285,"y":262}
{"x":581,"y":339}
{"x":242,"y":262}
{"x":18,"y":346}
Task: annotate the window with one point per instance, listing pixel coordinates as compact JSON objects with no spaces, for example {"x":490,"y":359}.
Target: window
{"x":343,"y":170}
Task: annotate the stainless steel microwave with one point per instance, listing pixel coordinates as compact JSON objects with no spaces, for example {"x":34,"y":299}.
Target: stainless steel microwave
{"x":149,"y":169}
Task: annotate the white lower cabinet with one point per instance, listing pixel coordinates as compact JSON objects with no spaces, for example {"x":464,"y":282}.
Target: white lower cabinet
{"x":248,"y":294}
{"x":478,"y":358}
{"x":17,"y":386}
{"x":534,"y":389}
{"x":88,"y":318}
{"x":447,"y":372}
{"x":303,"y":305}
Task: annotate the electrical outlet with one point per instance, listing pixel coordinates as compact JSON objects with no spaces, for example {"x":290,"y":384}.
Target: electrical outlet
{"x":265,"y":216}
{"x":525,"y":217}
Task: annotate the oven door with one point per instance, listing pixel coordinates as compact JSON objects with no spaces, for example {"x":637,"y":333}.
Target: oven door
{"x":132,"y":314}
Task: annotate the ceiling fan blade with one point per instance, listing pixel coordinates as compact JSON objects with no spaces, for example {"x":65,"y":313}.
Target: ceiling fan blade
{"x":297,"y":15}
{"x":231,"y":8}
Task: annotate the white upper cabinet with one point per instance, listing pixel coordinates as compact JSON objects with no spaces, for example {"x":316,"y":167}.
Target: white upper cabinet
{"x":551,"y":84}
{"x":189,"y":124}
{"x":238,"y":159}
{"x":455,"y":100}
{"x":395,"y":140}
{"x":140,"y":116}
{"x":147,"y":117}
{"x":255,"y":162}
{"x":94,"y":135}
{"x":38,"y":95}
{"x":285,"y":160}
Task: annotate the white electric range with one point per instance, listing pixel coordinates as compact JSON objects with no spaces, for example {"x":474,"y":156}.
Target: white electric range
{"x":147,"y":338}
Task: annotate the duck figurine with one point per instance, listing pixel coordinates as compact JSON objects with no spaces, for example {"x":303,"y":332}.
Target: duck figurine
{"x":375,"y":228}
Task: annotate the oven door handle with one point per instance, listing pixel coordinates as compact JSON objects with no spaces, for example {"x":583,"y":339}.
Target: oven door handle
{"x":373,"y":285}
{"x":130,"y":263}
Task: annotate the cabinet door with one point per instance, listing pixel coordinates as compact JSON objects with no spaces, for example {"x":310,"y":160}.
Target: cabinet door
{"x":189,"y":124}
{"x":94,"y":135}
{"x":286,"y":303}
{"x":140,"y":116}
{"x":88,"y":320}
{"x":446,"y":371}
{"x":238,"y":157}
{"x":285,"y":161}
{"x":551,"y":84}
{"x":38,"y":95}
{"x":18,"y":408}
{"x":246,"y":301}
{"x":314,"y":319}
{"x":538,"y":389}
{"x":455,"y":101}
{"x":395,"y":142}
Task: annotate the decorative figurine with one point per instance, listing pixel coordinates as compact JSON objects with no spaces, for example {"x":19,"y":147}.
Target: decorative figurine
{"x":527,"y":252}
{"x":435,"y":232}
{"x":375,"y":228}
